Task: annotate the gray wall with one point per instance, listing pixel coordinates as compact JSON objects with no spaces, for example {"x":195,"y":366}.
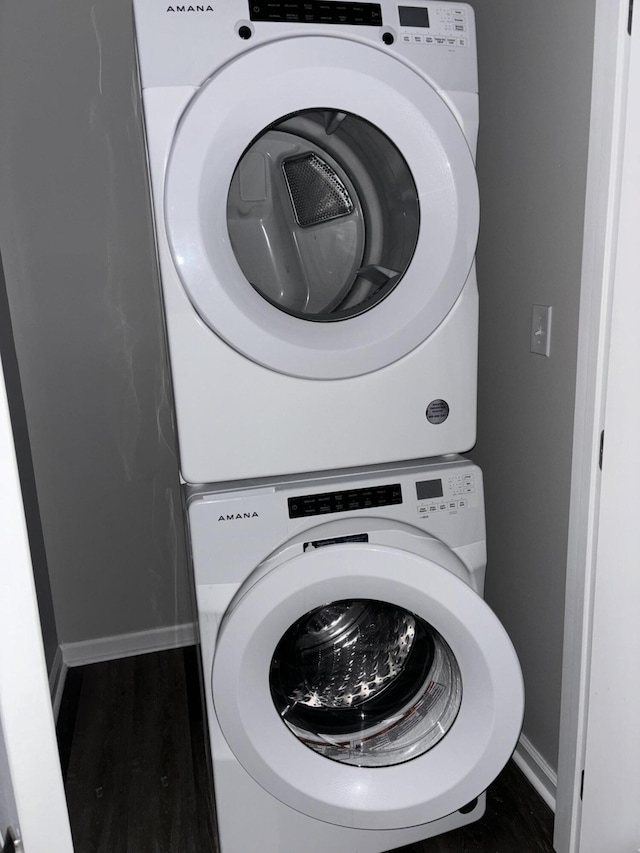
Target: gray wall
{"x":76,"y":240}
{"x":535,"y":72}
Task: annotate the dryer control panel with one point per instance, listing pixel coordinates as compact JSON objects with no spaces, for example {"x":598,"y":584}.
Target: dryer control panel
{"x":316,"y":12}
{"x":184,"y":45}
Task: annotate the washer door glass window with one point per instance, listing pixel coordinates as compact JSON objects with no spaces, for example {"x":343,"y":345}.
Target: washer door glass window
{"x":323,"y":215}
{"x":340,"y":651}
{"x":365,"y":683}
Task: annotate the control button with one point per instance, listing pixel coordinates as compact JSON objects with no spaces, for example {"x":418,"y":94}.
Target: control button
{"x":422,"y":509}
{"x":453,"y":505}
{"x":462,"y":42}
{"x":388,"y":38}
{"x":417,"y":39}
{"x":463,"y":503}
{"x":433,"y":508}
{"x":406,"y":38}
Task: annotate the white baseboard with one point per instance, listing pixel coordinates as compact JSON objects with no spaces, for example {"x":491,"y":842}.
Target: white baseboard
{"x":57,"y":678}
{"x":537,"y":771}
{"x":127,"y":645}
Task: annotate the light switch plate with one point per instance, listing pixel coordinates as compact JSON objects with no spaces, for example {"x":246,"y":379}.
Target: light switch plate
{"x":541,"y":329}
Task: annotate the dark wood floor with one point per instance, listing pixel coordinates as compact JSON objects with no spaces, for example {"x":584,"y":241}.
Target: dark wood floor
{"x":133,"y":750}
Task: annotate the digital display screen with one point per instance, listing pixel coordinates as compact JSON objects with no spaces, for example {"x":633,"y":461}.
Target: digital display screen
{"x":427,"y":489}
{"x":413,"y":16}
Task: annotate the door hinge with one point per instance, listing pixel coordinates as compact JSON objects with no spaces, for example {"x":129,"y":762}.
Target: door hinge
{"x":630,"y":18}
{"x":12,"y":842}
{"x":601,"y":449}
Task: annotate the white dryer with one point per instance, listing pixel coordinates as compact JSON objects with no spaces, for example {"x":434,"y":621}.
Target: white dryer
{"x":316,"y":211}
{"x":360,"y":693}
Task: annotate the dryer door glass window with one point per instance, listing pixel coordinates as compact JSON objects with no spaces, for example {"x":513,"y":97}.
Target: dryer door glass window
{"x":323,"y":215}
{"x":365,"y":683}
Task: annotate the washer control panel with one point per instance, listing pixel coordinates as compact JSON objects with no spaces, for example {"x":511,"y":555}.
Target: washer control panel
{"x":442,"y":498}
{"x":450,"y":494}
{"x":347,"y":500}
{"x":439,"y":25}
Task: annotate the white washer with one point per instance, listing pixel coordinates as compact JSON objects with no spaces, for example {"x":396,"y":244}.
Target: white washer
{"x":360,"y":693}
{"x":316,"y":211}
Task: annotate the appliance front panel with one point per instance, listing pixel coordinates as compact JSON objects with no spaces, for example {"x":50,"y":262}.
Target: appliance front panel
{"x":322,"y":230}
{"x":366,"y":686}
{"x":421,"y":404}
{"x":181,"y":44}
{"x":235,"y":530}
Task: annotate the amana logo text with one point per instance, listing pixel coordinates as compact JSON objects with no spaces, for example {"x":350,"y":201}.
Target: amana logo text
{"x":238,"y":515}
{"x":189,"y":8}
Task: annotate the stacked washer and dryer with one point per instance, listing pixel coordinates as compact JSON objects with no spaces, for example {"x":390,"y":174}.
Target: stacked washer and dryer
{"x":316,"y":213}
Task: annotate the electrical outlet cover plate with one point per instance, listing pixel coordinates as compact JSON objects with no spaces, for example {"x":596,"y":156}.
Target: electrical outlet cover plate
{"x":541,"y":329}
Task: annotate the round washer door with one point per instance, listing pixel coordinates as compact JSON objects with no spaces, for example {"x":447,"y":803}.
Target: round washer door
{"x":408,"y":697}
{"x":321,"y":206}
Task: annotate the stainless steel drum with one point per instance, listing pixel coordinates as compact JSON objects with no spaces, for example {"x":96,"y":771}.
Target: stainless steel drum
{"x":351,"y":651}
{"x":365,"y":682}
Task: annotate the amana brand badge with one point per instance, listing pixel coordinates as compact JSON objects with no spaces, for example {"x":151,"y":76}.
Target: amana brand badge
{"x":189,"y":8}
{"x":238,"y":516}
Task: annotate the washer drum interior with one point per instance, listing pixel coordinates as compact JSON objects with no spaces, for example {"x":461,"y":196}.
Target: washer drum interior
{"x":365,"y":683}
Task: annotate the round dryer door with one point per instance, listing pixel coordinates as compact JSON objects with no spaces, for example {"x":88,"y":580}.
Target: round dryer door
{"x":321,"y":206}
{"x":367,"y":686}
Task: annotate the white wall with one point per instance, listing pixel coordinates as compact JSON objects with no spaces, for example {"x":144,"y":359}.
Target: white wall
{"x":610,"y":814}
{"x":535,"y":72}
{"x":76,"y":240}
{"x":27,"y":477}
{"x":31,"y":789}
